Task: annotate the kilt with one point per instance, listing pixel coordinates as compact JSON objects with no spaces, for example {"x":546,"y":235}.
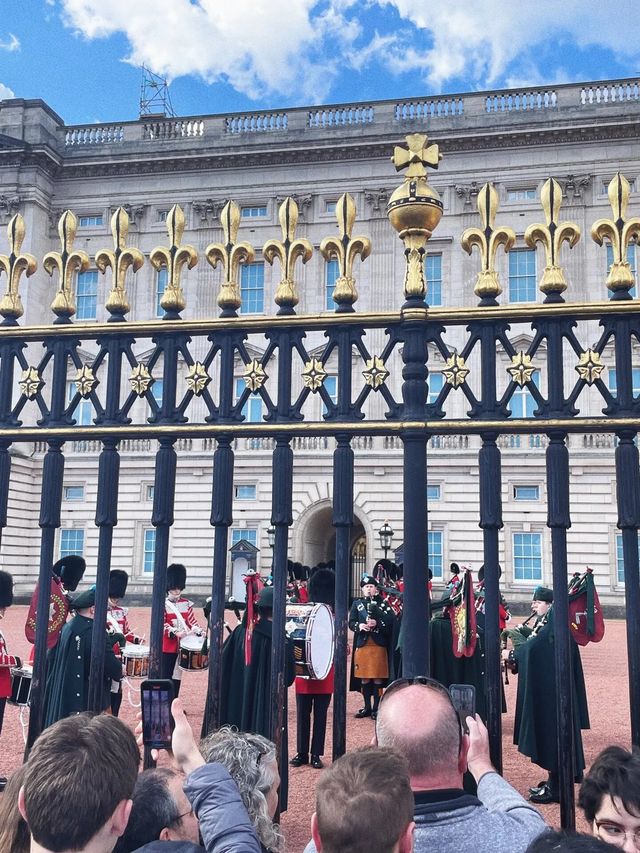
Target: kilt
{"x":371,"y":661}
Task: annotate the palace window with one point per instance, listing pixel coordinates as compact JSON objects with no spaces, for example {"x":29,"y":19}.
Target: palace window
{"x":73,"y":493}
{"x":331,"y":387}
{"x":249,"y":534}
{"x":433,"y":492}
{"x":83,"y":412}
{"x":161,"y":285}
{"x":631,"y":259}
{"x":526,"y":493}
{"x":521,"y":195}
{"x":90,"y":221}
{"x":522,"y":275}
{"x":523,"y":404}
{"x":435,"y":381}
{"x":433,"y":275}
{"x":527,"y":556}
{"x":71,"y":541}
{"x":435,"y":552}
{"x":246,"y":492}
{"x":253,"y":212}
{"x":86,"y":295}
{"x":252,"y":288}
{"x":148,"y":550}
{"x":252,"y":409}
{"x":332,"y":271}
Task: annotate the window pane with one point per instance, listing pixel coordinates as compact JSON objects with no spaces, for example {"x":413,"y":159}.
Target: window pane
{"x":434,"y":552}
{"x":332,"y":273}
{"x":522,"y":275}
{"x":521,"y":195}
{"x":252,"y":288}
{"x":620,"y":557}
{"x":83,"y":412}
{"x":433,"y":274}
{"x":161,"y":285}
{"x":330,"y":206}
{"x":436,"y":384}
{"x":74,"y":493}
{"x":149,"y":550}
{"x":249,"y":534}
{"x":252,"y":212}
{"x":331,"y":387}
{"x":90,"y":221}
{"x":86,"y":295}
{"x":252,"y":409}
{"x":71,"y":542}
{"x":613,"y":380}
{"x":527,"y":556}
{"x":631,"y":258}
{"x":526,"y":493}
{"x":433,"y":493}
{"x":157,"y":391}
{"x":246,"y":492}
{"x":522,"y":403}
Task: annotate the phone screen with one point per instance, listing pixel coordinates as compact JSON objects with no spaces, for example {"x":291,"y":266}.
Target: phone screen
{"x":157,"y":722}
{"x":463,"y":697}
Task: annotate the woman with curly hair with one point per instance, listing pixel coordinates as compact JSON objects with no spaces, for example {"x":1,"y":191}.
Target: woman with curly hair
{"x":251,"y":762}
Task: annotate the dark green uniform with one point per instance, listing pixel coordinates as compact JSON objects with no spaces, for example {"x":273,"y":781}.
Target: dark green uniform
{"x":67,"y":687}
{"x":536,"y":729}
{"x":448,"y":669}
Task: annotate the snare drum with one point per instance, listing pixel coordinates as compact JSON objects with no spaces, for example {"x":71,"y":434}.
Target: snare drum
{"x":135,"y":660}
{"x":21,"y":685}
{"x":191,"y":656}
{"x":311,"y":627}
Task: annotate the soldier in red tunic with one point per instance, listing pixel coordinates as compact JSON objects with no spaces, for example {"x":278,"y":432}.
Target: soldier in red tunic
{"x":179,"y":620}
{"x":118,"y":627}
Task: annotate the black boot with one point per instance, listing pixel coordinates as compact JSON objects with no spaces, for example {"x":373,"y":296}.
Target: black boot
{"x":367,"y":694}
{"x":376,"y":700}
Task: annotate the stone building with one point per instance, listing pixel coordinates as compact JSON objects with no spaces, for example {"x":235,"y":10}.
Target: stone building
{"x":580,"y":134}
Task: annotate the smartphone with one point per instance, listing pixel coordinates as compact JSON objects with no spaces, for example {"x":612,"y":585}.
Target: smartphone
{"x":157,"y":722}
{"x":463,"y":697}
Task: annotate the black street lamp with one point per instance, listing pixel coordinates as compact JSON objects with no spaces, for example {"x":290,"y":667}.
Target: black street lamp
{"x":271,"y":536}
{"x":386,"y":534}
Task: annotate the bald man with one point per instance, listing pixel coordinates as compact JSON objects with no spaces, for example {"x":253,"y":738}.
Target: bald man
{"x":419,"y":721}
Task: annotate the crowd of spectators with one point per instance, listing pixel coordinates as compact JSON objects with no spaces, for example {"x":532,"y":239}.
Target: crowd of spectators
{"x":82,"y":791}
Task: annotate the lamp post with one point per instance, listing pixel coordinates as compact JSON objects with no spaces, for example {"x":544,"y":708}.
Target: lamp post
{"x":385,"y":535}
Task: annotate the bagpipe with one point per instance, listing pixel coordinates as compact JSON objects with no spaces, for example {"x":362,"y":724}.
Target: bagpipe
{"x":585,"y":612}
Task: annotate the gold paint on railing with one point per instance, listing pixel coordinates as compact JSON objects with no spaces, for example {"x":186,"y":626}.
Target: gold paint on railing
{"x":13,"y":266}
{"x":68,"y":263}
{"x":415,"y":208}
{"x":120,"y":259}
{"x":619,"y":231}
{"x":345,"y":249}
{"x":552,"y":236}
{"x":487,"y":239}
{"x":288,"y":251}
{"x":230,"y":254}
{"x":174,"y":257}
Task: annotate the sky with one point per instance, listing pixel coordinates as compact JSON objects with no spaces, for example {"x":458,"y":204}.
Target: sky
{"x":84,"y":57}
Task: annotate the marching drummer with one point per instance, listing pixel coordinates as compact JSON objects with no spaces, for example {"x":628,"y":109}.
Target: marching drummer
{"x":118,"y":628}
{"x":179,"y":621}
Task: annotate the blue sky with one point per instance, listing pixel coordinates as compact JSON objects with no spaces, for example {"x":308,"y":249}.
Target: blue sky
{"x":83,"y":57}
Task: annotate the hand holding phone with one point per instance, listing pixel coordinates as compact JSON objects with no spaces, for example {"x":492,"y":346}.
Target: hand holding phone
{"x":157,"y":722}
{"x":463,"y":697}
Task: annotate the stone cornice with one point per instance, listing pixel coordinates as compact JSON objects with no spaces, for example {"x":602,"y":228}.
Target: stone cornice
{"x":304,"y":151}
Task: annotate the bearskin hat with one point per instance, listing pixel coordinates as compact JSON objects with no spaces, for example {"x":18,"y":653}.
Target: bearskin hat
{"x":6,"y":590}
{"x":300,"y":572}
{"x":454,"y":568}
{"x":176,"y":576}
{"x":118,"y":581}
{"x":70,"y":570}
{"x":481,"y":572}
{"x":322,"y":587}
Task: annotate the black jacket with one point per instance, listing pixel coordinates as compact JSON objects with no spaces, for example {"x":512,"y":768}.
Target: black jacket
{"x":380,"y":611}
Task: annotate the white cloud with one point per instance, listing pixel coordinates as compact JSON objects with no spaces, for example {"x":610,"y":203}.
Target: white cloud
{"x":5,"y":92}
{"x":11,"y":45}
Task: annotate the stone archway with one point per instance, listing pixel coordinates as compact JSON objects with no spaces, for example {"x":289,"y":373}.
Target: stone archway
{"x":314,"y":537}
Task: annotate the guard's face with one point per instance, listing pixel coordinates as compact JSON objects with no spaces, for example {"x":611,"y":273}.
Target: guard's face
{"x":540,"y":607}
{"x":174,"y":594}
{"x":369,"y":590}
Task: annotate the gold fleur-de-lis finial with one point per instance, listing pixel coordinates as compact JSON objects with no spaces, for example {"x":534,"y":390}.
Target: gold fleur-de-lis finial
{"x":13,"y":266}
{"x":487,"y":239}
{"x":552,"y":236}
{"x":345,"y":249}
{"x":230,"y":255}
{"x":68,"y":262}
{"x":619,"y":231}
{"x":287,"y":250}
{"x":119,"y":259}
{"x":174,"y":257}
{"x":415,"y":209}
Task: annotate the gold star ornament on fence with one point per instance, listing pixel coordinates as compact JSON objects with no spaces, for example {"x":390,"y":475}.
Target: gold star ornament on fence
{"x":456,"y":371}
{"x":140,"y":379}
{"x":255,"y":376}
{"x":30,"y":383}
{"x":522,"y":368}
{"x":590,"y":366}
{"x":314,"y":375}
{"x":85,"y":381}
{"x":197,"y":378}
{"x":375,"y":373}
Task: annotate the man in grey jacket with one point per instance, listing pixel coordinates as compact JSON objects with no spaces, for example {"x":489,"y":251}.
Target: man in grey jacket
{"x":417,"y":718}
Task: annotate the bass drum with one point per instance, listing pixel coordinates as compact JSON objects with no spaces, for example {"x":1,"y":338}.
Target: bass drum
{"x":311,"y":627}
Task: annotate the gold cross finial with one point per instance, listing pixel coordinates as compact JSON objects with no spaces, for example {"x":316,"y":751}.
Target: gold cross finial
{"x":416,"y":156}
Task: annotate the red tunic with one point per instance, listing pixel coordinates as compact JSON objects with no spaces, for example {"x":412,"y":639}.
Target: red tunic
{"x":6,"y":662}
{"x":170,"y":645}
{"x":315,"y":685}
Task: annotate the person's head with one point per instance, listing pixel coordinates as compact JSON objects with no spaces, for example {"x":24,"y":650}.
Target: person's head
{"x":364,"y":802}
{"x":70,"y":570}
{"x":610,"y":797}
{"x":176,"y":580}
{"x":264,"y":602}
{"x":251,"y":762}
{"x":6,"y":592}
{"x":160,"y":812}
{"x":85,"y":603}
{"x":78,"y":784}
{"x":542,"y":600}
{"x":118,"y":582}
{"x":417,"y":718}
{"x":369,"y":586}
{"x":568,"y":842}
{"x":14,"y":832}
